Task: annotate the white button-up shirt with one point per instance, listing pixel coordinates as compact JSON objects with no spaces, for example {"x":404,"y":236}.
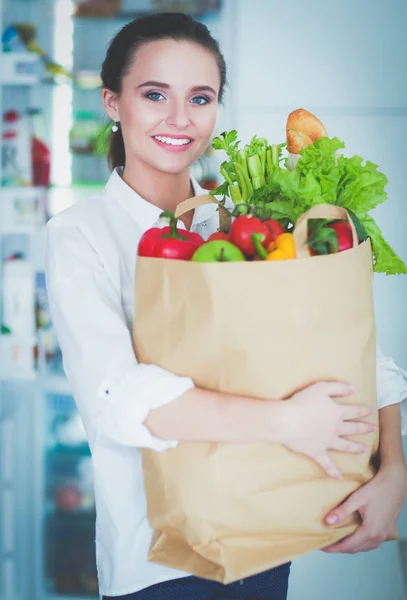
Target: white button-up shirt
{"x":90,"y":268}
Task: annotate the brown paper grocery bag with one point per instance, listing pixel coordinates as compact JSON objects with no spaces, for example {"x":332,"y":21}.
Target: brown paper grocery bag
{"x":262,"y":329}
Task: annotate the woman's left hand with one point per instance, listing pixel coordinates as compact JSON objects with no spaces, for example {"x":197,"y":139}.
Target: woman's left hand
{"x":379,"y":503}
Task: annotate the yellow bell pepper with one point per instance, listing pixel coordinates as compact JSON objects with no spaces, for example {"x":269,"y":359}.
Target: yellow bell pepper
{"x":283,"y":247}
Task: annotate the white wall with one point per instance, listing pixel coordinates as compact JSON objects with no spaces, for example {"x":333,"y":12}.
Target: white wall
{"x":346,"y":62}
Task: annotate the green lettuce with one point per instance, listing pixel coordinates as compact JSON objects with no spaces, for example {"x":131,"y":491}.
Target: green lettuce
{"x":385,"y":259}
{"x":322,"y":175}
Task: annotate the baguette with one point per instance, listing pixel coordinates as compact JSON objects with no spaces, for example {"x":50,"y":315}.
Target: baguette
{"x":302,"y":129}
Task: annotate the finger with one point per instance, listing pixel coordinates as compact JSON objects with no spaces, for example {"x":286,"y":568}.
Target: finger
{"x":336,"y":389}
{"x":358,"y":542}
{"x":355,"y":427}
{"x":347,"y":446}
{"x":353,"y":412}
{"x":354,"y":503}
{"x":337,"y":547}
{"x":328,"y":465}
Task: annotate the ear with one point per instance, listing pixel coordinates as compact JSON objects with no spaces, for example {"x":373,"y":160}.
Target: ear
{"x":110,"y":102}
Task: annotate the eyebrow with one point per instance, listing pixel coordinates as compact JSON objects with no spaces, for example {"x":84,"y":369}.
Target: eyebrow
{"x":197,"y":88}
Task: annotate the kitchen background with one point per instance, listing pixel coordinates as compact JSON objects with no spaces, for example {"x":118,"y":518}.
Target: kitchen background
{"x":346,"y":62}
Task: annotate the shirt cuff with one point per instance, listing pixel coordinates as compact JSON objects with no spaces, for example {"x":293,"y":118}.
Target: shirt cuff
{"x":132,"y":390}
{"x":392,"y":386}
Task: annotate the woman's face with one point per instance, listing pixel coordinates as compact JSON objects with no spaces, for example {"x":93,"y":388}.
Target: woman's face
{"x":168,"y":104}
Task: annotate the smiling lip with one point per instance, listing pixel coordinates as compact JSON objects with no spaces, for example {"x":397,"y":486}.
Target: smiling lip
{"x":170,"y":147}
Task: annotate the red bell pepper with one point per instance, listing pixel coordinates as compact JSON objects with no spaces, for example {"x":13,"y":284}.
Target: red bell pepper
{"x":150,"y":239}
{"x":344,"y":234}
{"x":328,"y":237}
{"x":169,"y":241}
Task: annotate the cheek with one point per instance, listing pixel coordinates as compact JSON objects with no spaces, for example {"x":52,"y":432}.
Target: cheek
{"x":206,"y":122}
{"x":138,"y":114}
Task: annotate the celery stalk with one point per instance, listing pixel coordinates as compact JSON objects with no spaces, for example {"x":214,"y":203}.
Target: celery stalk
{"x":243,"y":182}
{"x":269,"y":160}
{"x":256,"y":171}
{"x":226,"y":176}
{"x":275,"y":153}
{"x":235,"y":194}
{"x":263,"y":158}
{"x":241,"y":159}
{"x":258,"y":182}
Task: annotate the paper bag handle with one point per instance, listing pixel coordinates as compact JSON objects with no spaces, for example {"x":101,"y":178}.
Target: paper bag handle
{"x":320,"y":211}
{"x":225,"y":216}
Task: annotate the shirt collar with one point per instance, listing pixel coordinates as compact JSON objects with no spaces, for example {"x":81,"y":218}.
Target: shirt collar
{"x":145,"y":213}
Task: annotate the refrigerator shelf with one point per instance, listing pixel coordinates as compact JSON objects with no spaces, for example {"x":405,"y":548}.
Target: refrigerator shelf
{"x":22,"y":210}
{"x":19,"y":68}
{"x":64,"y":597}
{"x":75,"y":517}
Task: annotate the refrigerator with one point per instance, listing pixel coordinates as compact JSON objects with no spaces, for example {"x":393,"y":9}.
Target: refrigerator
{"x":47,"y":508}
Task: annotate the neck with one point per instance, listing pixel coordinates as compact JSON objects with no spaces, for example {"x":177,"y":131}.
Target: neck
{"x":165,"y":190}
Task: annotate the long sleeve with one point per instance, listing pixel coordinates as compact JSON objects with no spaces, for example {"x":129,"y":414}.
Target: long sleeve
{"x":391,"y":386}
{"x":113,"y":392}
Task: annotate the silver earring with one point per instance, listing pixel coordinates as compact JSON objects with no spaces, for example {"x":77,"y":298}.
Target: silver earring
{"x":115,"y":127}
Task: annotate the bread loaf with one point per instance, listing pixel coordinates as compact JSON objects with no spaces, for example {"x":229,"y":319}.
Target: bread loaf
{"x":302,"y":129}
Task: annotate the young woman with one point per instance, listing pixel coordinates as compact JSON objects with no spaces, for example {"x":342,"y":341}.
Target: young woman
{"x":163,"y":78}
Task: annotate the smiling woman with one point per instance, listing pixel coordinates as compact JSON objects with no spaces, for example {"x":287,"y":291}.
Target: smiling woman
{"x":166,"y":111}
{"x":163,"y":78}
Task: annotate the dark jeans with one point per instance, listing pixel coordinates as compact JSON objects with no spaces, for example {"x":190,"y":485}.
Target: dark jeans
{"x":270,"y":585}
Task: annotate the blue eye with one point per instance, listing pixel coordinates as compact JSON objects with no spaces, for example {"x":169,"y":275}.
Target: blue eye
{"x":201,"y":100}
{"x":154,"y":96}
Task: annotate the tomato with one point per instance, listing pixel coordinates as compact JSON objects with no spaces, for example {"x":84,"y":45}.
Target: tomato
{"x":275,"y":228}
{"x":218,"y":235}
{"x":241,"y":232}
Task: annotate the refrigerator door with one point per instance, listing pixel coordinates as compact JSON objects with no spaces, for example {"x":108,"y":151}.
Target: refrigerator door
{"x":69,"y":562}
{"x":16,"y":497}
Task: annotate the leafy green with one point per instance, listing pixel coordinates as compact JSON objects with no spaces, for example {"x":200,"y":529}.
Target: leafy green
{"x":385,"y":259}
{"x":254,"y":175}
{"x":247,"y":168}
{"x":362,"y":187}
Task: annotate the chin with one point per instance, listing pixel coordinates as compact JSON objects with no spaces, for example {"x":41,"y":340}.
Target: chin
{"x":174,"y":167}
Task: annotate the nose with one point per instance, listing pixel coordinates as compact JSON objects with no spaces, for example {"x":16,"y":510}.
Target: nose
{"x":178,"y":116}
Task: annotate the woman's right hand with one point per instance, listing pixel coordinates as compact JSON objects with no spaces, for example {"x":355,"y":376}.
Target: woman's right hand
{"x":316,"y":423}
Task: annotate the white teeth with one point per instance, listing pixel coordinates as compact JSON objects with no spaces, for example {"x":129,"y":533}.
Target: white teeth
{"x":172,"y":141}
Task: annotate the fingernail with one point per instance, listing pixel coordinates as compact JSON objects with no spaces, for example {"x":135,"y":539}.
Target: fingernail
{"x":351,"y":387}
{"x":332,"y":519}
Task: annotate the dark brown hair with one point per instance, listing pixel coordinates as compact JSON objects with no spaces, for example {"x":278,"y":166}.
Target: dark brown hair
{"x":122,"y":48}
